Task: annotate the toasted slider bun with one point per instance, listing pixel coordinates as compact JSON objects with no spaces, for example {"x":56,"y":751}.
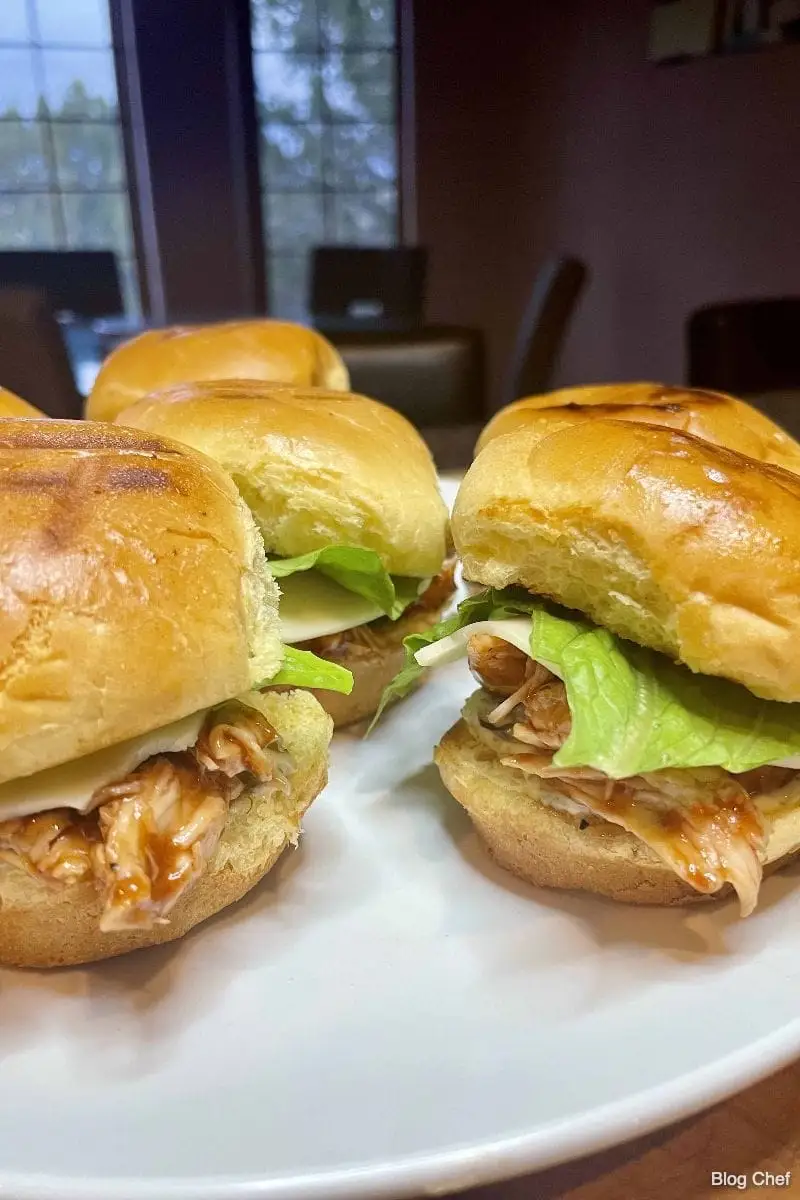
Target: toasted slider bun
{"x":13,"y":406}
{"x":548,"y":848}
{"x":133,"y":590}
{"x":46,"y":926}
{"x":714,"y":416}
{"x":321,"y":468}
{"x":316,"y":467}
{"x":256,"y":349}
{"x":660,"y":537}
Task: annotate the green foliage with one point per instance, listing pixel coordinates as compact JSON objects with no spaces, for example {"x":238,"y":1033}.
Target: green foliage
{"x":325,"y":91}
{"x":75,"y":149}
{"x":326,"y":104}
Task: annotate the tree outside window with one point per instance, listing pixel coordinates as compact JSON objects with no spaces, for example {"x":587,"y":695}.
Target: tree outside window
{"x":62,"y":168}
{"x":325,"y":73}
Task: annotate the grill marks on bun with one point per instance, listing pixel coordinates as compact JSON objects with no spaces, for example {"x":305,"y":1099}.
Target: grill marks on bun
{"x":129,"y":594}
{"x":666,"y":540}
{"x":260,"y":349}
{"x":717,"y":418}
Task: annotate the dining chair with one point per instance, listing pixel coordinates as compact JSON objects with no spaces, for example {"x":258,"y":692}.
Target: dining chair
{"x":750,"y":348}
{"x":435,"y":375}
{"x":556,"y":291}
{"x":368,"y":286}
{"x":33,"y":357}
{"x":83,"y":283}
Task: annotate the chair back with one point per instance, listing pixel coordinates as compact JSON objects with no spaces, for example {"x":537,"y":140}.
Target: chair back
{"x":353,"y":286}
{"x":433,"y":376}
{"x":33,"y":357}
{"x":752,"y":349}
{"x":747,"y":347}
{"x":83,"y":283}
{"x":543,"y":328}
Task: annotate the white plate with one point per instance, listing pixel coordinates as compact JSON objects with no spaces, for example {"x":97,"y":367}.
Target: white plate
{"x":389,"y":1014}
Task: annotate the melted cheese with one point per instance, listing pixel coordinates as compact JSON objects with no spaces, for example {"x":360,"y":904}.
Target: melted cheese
{"x":312,"y":605}
{"x":516,"y":630}
{"x":71,"y":785}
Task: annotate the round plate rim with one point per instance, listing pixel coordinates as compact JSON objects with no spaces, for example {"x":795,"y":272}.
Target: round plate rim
{"x":442,"y":1172}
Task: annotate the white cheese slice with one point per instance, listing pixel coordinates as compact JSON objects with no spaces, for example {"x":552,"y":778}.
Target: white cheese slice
{"x":516,"y":630}
{"x":312,"y":605}
{"x":71,"y":785}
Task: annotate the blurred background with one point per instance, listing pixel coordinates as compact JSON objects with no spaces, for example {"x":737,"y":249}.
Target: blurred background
{"x":595,"y":191}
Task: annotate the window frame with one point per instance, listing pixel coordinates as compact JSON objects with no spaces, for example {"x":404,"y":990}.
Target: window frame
{"x":121,"y":51}
{"x":56,"y":191}
{"x":190,"y":132}
{"x":404,"y":185}
{"x":234,"y":239}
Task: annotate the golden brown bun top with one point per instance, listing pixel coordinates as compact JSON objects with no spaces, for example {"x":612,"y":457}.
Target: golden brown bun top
{"x":276,"y":351}
{"x":13,"y":406}
{"x":718,"y":418}
{"x":132,"y":589}
{"x":317,"y":468}
{"x":659,"y":536}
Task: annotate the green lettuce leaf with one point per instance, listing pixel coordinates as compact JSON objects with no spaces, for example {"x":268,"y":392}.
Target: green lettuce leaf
{"x":360,"y":571}
{"x":301,"y":668}
{"x":633,"y":710}
{"x":636,"y":711}
{"x":485,"y":606}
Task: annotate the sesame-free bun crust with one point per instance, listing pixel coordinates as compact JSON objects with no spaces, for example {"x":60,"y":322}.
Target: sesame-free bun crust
{"x":714,"y":416}
{"x":13,"y":406}
{"x":548,"y":848}
{"x":46,"y":926}
{"x":656,"y":535}
{"x":257,"y":349}
{"x":373,"y":667}
{"x":316,"y":467}
{"x":133,"y":589}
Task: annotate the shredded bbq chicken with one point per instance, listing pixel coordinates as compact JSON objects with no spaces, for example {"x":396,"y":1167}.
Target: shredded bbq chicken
{"x":363,"y":640}
{"x":58,"y":844}
{"x":701,"y":822}
{"x":152,"y":834}
{"x":439,"y":590}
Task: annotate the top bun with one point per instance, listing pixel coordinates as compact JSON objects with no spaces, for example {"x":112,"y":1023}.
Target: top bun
{"x":276,"y":351}
{"x":316,"y":467}
{"x":718,"y":418}
{"x":12,"y":406}
{"x":133,"y":589}
{"x":659,"y":536}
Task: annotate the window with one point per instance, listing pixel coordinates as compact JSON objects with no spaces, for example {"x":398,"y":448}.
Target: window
{"x":62,"y":167}
{"x":325,"y":73}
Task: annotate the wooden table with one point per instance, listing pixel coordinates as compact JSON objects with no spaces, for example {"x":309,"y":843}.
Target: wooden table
{"x":758,"y":1130}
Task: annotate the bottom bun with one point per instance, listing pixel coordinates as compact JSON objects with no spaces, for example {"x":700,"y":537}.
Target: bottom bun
{"x":374,"y":664}
{"x":548,"y":848}
{"x":46,"y":926}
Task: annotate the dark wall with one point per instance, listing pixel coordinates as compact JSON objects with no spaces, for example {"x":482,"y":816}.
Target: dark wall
{"x":476,"y":107}
{"x":546,"y":129}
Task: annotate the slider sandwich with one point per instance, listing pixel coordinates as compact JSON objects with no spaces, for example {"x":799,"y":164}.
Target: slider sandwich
{"x":717,"y":418}
{"x":345,"y":493}
{"x":276,"y":351}
{"x":636,"y":729}
{"x":145,"y":780}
